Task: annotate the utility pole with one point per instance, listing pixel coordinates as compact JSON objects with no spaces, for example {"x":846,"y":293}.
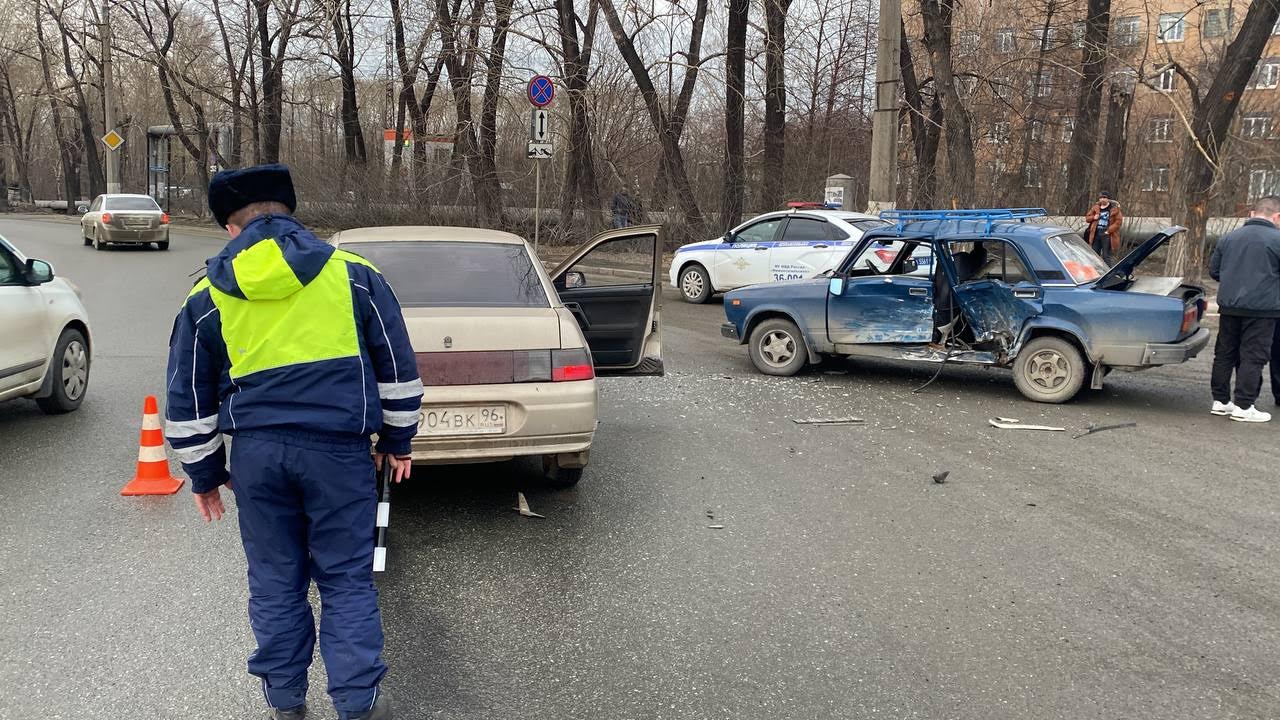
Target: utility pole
{"x":109,"y":100}
{"x":884,"y":129}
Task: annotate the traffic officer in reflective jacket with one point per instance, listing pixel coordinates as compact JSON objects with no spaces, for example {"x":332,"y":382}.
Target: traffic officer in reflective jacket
{"x":298,"y":351}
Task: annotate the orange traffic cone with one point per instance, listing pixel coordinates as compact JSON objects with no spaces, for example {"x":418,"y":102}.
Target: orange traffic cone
{"x":153,"y":476}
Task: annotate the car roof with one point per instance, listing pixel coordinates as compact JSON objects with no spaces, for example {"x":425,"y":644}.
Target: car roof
{"x":1014,"y":230}
{"x":426,"y":233}
{"x":126,"y":195}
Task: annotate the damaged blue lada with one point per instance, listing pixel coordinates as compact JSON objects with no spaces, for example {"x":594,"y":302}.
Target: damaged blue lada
{"x":1003,"y":291}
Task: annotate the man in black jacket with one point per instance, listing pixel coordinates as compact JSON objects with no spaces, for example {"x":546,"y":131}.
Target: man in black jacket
{"x":1246,"y":263}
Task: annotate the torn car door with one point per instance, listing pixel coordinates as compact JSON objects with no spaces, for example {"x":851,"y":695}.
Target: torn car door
{"x":875,"y":308}
{"x":611,"y":285}
{"x":995,"y":290}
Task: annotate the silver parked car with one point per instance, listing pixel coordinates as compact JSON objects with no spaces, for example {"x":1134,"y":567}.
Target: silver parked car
{"x":126,"y":219}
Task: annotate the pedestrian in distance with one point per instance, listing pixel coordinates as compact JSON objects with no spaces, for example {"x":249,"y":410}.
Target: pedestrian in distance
{"x":1104,"y":220}
{"x":623,"y":208}
{"x":1246,"y":263}
{"x":299,"y":352}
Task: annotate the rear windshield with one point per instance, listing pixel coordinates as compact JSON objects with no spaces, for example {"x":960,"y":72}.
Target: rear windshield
{"x":1077,"y":258}
{"x":457,"y":274}
{"x":131,"y":203}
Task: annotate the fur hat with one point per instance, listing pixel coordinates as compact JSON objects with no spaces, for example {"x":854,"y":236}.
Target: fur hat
{"x":231,"y":190}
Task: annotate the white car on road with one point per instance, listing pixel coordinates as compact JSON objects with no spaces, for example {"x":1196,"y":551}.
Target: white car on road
{"x":44,"y":334}
{"x":784,"y":245}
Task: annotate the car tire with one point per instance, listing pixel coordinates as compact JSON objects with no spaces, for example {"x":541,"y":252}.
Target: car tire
{"x":1049,"y":370}
{"x":695,"y":284}
{"x":87,"y":240}
{"x":557,"y":477}
{"x":777,"y":348}
{"x":163,"y":245}
{"x":70,"y":365}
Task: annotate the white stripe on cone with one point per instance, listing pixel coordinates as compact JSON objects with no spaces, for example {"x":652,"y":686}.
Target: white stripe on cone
{"x":151,"y":422}
{"x":152,"y":454}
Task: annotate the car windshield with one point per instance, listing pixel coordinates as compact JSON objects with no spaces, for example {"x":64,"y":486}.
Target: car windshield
{"x":1077,"y":258}
{"x":131,"y":203}
{"x":457,"y":274}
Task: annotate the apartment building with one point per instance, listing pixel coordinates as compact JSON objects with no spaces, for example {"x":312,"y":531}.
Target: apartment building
{"x":1018,"y":63}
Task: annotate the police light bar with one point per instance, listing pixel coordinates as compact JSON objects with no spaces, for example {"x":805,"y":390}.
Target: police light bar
{"x":804,"y":205}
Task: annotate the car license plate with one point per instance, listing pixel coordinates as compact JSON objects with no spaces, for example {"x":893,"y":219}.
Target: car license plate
{"x":137,"y":224}
{"x":471,"y":420}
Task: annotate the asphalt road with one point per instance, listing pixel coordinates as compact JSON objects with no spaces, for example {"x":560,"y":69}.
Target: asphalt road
{"x":1128,"y":574}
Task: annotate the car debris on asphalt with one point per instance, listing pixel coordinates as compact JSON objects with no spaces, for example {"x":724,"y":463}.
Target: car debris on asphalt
{"x":522,"y":507}
{"x":828,"y":421}
{"x":1096,"y":428}
{"x":1015,"y":424}
{"x":941,"y":477}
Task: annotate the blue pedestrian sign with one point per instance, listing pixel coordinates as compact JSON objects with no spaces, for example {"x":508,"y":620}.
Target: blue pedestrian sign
{"x":541,"y":91}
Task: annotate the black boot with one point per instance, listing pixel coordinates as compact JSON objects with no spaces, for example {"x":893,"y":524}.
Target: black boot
{"x":297,"y":713}
{"x":381,"y":709}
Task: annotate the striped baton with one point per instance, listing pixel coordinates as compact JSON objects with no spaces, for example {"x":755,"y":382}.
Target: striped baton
{"x":384,"y":517}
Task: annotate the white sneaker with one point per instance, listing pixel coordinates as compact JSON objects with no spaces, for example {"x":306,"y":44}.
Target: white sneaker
{"x":1226,"y":408}
{"x":1252,"y":415}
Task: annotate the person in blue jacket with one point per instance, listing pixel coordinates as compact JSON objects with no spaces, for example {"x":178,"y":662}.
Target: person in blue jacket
{"x":298,"y":351}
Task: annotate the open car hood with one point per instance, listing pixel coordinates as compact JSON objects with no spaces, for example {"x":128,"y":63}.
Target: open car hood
{"x":1123,"y":270}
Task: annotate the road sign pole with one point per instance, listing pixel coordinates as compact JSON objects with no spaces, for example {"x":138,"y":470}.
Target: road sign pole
{"x":537,"y":202}
{"x":108,"y":101}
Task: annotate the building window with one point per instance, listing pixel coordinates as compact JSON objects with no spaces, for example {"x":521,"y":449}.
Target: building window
{"x":1002,"y":89}
{"x":1217,"y":23}
{"x":1046,"y":37}
{"x":999,"y":168}
{"x":999,"y":133}
{"x":1031,"y":175}
{"x":1262,"y":183}
{"x":1045,"y":87}
{"x":1167,"y":80}
{"x":1268,"y":74}
{"x":1077,"y":35}
{"x":1256,"y":127}
{"x":1161,"y":129}
{"x":1128,"y":30}
{"x":1157,"y":180}
{"x":967,"y":43}
{"x":966,"y":84}
{"x":1004,"y":41}
{"x":1037,"y":131}
{"x":1173,"y":27}
{"x":1068,"y":129}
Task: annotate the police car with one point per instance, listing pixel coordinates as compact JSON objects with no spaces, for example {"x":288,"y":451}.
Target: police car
{"x":800,"y":242}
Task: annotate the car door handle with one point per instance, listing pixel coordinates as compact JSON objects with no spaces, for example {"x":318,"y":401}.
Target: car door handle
{"x":759,"y":247}
{"x":821,"y":247}
{"x":918,"y":292}
{"x":1026,"y":294}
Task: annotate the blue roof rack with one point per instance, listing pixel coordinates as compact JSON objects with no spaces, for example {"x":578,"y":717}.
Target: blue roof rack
{"x":901,"y":217}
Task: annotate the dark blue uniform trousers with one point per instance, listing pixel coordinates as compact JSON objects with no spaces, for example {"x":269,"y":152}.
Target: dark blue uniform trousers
{"x":306,"y":505}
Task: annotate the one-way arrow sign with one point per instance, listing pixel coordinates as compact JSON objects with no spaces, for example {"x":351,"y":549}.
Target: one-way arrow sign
{"x":539,"y":126}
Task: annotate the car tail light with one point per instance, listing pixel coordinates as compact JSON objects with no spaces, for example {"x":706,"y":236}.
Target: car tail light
{"x":531,"y":365}
{"x":164,"y":218}
{"x":1190,"y":315}
{"x":572,"y":364}
{"x":106,"y":218}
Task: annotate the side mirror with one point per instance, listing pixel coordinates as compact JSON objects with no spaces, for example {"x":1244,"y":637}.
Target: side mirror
{"x":38,"y":272}
{"x":836,"y":286}
{"x":574,"y":279}
{"x":729,"y":237}
{"x":909,"y":266}
{"x":82,"y":208}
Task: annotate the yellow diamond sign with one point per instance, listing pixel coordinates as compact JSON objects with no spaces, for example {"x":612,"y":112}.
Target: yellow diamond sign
{"x":113,"y":140}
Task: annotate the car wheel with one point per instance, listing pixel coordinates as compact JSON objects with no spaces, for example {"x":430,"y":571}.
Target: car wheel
{"x":777,"y":348}
{"x":70,"y":366}
{"x":1049,"y":370}
{"x":87,"y":240}
{"x":695,"y":284}
{"x":560,"y":478}
{"x":164,"y":245}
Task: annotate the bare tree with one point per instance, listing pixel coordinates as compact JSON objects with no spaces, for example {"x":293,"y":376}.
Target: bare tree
{"x":1093,"y":63}
{"x":937,"y":16}
{"x":273,"y":49}
{"x":926,"y":128}
{"x":580,"y":182}
{"x":775,"y":103}
{"x":1212,"y":110}
{"x":735,"y":86}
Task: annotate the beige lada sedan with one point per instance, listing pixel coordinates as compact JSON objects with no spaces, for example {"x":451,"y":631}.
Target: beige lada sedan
{"x":126,"y":219}
{"x":509,"y":353}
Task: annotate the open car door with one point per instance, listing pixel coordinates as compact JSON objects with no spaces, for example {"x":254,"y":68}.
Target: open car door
{"x":611,"y":285}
